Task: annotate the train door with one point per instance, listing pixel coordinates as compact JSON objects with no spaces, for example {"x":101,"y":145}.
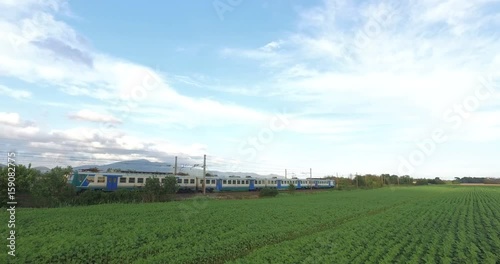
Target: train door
{"x":218,"y":185}
{"x":299,"y":185}
{"x":112,"y":183}
{"x":279,"y":184}
{"x":316,"y":184}
{"x":251,"y":187}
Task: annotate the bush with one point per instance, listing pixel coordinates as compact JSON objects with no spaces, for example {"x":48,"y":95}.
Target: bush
{"x":52,"y":188}
{"x":268,"y":192}
{"x":291,"y":188}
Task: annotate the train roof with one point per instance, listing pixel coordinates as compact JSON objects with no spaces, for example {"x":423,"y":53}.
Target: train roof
{"x":135,"y":173}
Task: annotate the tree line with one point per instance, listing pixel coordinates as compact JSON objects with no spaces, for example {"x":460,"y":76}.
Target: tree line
{"x":369,"y":181}
{"x":51,"y":189}
{"x":477,"y":180}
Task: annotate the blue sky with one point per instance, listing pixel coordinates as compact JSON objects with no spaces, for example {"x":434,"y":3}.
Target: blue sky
{"x":399,"y":87}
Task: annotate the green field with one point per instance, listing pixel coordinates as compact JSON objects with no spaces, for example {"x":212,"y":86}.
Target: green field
{"x":441,"y":224}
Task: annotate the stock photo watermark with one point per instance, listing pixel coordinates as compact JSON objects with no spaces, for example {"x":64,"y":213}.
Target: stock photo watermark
{"x":11,"y":202}
{"x":223,"y":6}
{"x":29,"y":31}
{"x":248,"y":149}
{"x":128,"y":101}
{"x":371,"y":30}
{"x":454,"y":116}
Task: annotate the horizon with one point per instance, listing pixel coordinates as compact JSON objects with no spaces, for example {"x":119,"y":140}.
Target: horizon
{"x":403,"y":88}
{"x":79,"y":168}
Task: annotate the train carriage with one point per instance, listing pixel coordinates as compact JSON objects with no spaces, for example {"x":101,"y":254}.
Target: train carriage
{"x":135,"y":180}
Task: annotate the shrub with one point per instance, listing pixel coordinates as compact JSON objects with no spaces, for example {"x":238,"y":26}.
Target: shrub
{"x":291,"y":188}
{"x":268,"y":192}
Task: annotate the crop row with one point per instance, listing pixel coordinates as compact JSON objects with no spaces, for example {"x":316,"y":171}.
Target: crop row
{"x":196,"y":231}
{"x":419,"y":224}
{"x":456,"y":225}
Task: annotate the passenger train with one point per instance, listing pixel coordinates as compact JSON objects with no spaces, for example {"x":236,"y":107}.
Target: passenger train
{"x":135,"y":180}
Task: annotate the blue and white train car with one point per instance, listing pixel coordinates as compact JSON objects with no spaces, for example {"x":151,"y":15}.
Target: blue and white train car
{"x":113,"y":181}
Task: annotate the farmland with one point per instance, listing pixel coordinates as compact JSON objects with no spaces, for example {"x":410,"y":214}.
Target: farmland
{"x":429,"y":224}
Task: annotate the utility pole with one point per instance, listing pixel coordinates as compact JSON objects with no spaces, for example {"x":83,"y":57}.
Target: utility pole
{"x":311,"y":176}
{"x":175,"y":166}
{"x":357,"y":181}
{"x":285,"y":173}
{"x":337,"y":181}
{"x":204,"y":172}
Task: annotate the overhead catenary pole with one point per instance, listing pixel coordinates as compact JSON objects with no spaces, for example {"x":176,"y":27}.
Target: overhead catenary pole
{"x":175,"y":166}
{"x":285,"y":173}
{"x":357,"y":180}
{"x":204,"y":172}
{"x":311,"y":176}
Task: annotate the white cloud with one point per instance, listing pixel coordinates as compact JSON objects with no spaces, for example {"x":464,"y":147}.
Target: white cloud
{"x":45,"y":50}
{"x":10,"y":118}
{"x":271,"y":46}
{"x":17,"y":94}
{"x":349,"y":68}
{"x":88,"y":115}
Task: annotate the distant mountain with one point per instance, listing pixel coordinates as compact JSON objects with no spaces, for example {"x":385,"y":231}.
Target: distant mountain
{"x":133,"y":165}
{"x":1,"y":165}
{"x":242,"y":174}
{"x":144,"y":165}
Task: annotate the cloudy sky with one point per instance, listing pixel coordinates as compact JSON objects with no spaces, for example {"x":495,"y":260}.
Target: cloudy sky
{"x":404,"y":87}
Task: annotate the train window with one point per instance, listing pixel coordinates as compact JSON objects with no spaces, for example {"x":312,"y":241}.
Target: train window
{"x":140,"y":180}
{"x":131,"y":180}
{"x":123,"y":180}
{"x":246,"y":182}
{"x":179,"y":180}
{"x":238,"y":182}
{"x":100,"y":179}
{"x":213,"y":181}
{"x":186,"y":181}
{"x":224,"y":181}
{"x":191,"y":181}
{"x":201,"y":181}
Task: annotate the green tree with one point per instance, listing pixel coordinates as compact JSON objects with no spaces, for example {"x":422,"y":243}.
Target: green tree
{"x":291,"y":188}
{"x":52,"y":188}
{"x":153,"y":189}
{"x":268,"y":192}
{"x":170,"y":185}
{"x":23,"y":180}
